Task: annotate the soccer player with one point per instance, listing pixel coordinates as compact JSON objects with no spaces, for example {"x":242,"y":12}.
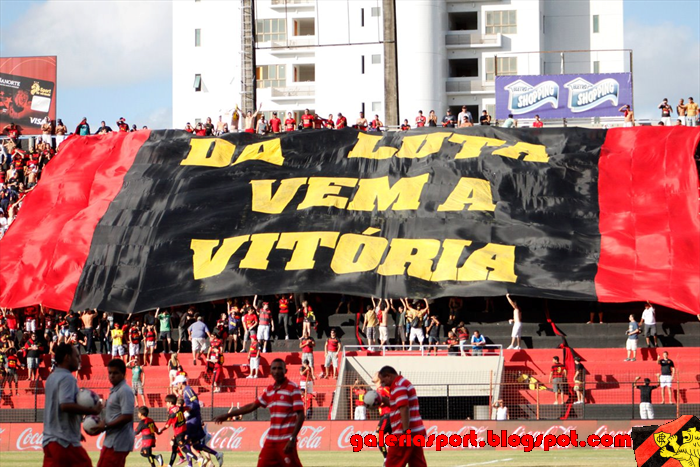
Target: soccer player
{"x":283,"y":399}
{"x":404,"y":416}
{"x":147,"y":428}
{"x":195,"y":433}
{"x":119,"y":418}
{"x":384,"y":425}
{"x":62,"y":414}
{"x":176,"y":419}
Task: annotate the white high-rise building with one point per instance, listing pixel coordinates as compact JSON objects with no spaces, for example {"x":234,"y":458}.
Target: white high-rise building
{"x":329,"y":55}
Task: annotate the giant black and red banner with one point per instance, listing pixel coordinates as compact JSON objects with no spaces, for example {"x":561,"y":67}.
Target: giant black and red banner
{"x":27,"y":92}
{"x":130,"y":222}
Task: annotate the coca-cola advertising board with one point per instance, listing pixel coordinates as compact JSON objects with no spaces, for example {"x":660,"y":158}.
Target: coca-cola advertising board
{"x":27,"y":92}
{"x":334,"y":436}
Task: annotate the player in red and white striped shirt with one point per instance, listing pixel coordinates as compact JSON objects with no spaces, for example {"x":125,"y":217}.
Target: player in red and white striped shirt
{"x":404,"y":416}
{"x":283,"y":400}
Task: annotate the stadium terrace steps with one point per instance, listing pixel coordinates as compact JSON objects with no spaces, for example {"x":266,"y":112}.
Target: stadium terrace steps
{"x":536,"y":335}
{"x":241,"y":390}
{"x":608,"y":382}
{"x":609,"y":377}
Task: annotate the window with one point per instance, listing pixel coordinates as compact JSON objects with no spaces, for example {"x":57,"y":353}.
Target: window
{"x":362,"y":17}
{"x":197,"y":83}
{"x":305,"y":27}
{"x":376,"y":106}
{"x":501,"y":21}
{"x":506,"y":66}
{"x":269,"y":76}
{"x":596,"y":67}
{"x":376,"y":59}
{"x":466,"y":21}
{"x":304,"y":73}
{"x":197,"y":37}
{"x":464,"y":68}
{"x":362,"y":64}
{"x":596,"y":24}
{"x":271,"y":30}
{"x":376,"y":11}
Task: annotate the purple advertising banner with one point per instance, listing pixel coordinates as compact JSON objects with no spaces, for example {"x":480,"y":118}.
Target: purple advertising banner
{"x":563,"y":96}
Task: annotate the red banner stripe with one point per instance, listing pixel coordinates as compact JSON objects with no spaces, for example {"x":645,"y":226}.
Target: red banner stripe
{"x":61,"y":215}
{"x":649,"y":225}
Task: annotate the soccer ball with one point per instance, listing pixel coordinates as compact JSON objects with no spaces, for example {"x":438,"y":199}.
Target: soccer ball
{"x":87,"y":398}
{"x":372,"y":398}
{"x":90,"y":424}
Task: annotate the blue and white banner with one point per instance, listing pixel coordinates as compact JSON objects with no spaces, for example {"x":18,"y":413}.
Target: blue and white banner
{"x":563,"y":96}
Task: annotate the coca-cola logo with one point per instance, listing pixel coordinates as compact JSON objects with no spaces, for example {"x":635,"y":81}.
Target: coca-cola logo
{"x":346,"y":434}
{"x":227,"y":437}
{"x":310,"y":437}
{"x":29,"y":440}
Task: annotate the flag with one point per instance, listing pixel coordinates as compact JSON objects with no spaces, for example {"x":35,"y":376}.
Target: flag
{"x":131,"y":222}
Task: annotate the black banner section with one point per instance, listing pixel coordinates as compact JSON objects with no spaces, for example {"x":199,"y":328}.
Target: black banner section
{"x":472,"y":212}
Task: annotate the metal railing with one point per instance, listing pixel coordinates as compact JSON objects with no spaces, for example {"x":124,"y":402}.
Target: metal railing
{"x":425,"y":349}
{"x":527,"y":397}
{"x":294,"y":91}
{"x":474,"y":38}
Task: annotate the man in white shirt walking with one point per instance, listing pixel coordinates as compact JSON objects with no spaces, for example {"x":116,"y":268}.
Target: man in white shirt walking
{"x":649,"y":322}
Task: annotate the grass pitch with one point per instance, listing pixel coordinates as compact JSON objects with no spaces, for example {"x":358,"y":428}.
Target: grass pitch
{"x":487,"y":458}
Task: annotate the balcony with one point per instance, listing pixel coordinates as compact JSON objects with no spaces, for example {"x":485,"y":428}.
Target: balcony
{"x":301,"y":46}
{"x":300,"y":92}
{"x":299,"y":5}
{"x":458,"y":40}
{"x":469,"y":86}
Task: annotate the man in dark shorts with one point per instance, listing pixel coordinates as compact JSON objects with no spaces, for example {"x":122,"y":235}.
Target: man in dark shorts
{"x":148,"y":430}
{"x":384,"y":425}
{"x":177,"y":420}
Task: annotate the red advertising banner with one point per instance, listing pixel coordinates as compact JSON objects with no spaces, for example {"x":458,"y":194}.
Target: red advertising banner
{"x":27,"y":92}
{"x":337,"y":436}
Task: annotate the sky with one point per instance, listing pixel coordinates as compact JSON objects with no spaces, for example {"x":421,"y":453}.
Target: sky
{"x":115,"y":56}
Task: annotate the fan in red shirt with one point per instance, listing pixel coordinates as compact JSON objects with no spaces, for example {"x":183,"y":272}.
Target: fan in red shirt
{"x":215,"y":362}
{"x":341,"y":123}
{"x":290,"y":124}
{"x":307,"y":120}
{"x":283,"y":400}
{"x":318,"y":122}
{"x":405,"y":126}
{"x":329,"y":123}
{"x":275,"y":123}
{"x":404,"y":416}
{"x":537,"y":123}
{"x":420,"y":120}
